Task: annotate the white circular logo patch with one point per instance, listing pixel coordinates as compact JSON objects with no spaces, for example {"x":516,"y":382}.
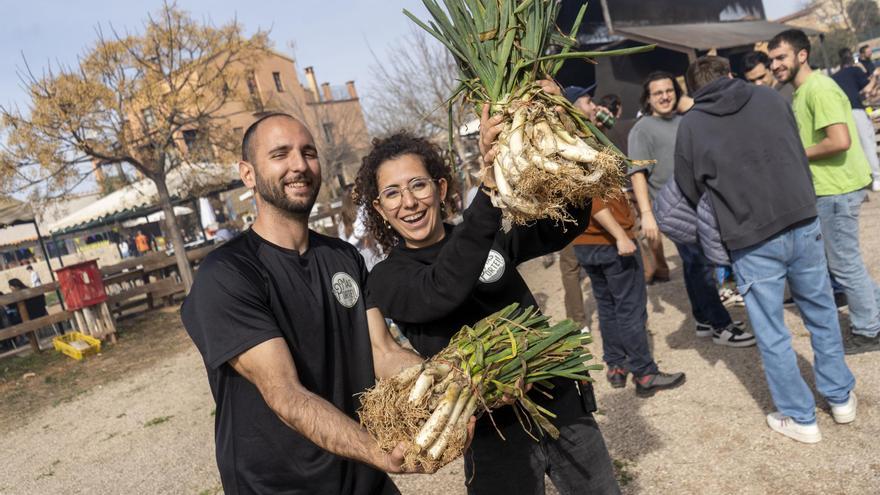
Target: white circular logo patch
{"x":493,"y":269}
{"x":345,"y":289}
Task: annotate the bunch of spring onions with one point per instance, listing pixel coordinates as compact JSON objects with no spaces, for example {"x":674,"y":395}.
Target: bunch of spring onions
{"x":546,"y":159}
{"x":484,"y":367}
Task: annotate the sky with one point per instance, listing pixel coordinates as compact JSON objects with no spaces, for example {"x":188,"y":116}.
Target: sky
{"x":333,"y":36}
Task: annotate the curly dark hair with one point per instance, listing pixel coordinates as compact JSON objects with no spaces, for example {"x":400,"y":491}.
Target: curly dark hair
{"x":366,"y":185}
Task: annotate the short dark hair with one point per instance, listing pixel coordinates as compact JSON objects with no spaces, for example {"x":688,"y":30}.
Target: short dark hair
{"x":17,"y":284}
{"x":794,"y":37}
{"x":705,"y":70}
{"x":863,"y":48}
{"x":755,"y":58}
{"x":611,"y":102}
{"x":846,"y":57}
{"x":645,"y":100}
{"x":247,"y":146}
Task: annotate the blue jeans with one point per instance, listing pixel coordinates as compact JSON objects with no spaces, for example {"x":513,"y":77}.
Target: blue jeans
{"x":796,"y":255}
{"x":621,"y":299}
{"x":699,"y":280}
{"x":839,"y":215}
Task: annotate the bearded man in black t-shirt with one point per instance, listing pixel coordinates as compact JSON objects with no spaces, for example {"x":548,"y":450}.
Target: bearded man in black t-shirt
{"x":284,"y":322}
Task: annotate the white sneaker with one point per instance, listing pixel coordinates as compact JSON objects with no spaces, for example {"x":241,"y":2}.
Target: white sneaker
{"x":788,"y":427}
{"x":846,"y":412}
{"x":875,"y":186}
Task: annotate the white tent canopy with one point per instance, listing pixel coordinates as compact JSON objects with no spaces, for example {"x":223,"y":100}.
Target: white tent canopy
{"x":142,"y":194}
{"x":156,"y":217}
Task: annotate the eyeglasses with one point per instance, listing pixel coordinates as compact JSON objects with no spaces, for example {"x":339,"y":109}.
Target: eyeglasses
{"x":392,"y":196}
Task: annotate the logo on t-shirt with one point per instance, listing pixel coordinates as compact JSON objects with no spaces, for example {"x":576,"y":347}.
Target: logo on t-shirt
{"x":345,"y":289}
{"x":493,"y":269}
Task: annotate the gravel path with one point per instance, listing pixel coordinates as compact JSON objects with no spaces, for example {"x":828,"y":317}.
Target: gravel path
{"x":150,"y":431}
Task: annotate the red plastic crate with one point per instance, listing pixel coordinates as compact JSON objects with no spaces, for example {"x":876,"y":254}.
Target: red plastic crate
{"x":81,"y":285}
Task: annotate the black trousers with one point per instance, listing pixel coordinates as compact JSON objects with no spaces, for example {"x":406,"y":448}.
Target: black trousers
{"x":577,"y":462}
{"x":621,"y":298}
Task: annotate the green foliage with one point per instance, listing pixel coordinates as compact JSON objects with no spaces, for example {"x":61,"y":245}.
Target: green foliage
{"x":503,"y":46}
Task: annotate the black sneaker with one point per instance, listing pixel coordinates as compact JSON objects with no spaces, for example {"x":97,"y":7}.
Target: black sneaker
{"x":788,"y":302}
{"x":857,"y":344}
{"x":647,"y":385}
{"x":616,"y":376}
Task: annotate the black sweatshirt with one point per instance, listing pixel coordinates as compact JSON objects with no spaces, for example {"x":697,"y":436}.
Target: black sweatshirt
{"x":740,"y":143}
{"x":433,"y":291}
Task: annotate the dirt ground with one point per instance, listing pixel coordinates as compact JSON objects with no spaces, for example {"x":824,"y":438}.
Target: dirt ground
{"x":139,"y":417}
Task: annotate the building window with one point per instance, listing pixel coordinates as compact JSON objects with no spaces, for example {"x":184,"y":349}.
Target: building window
{"x":252,"y":84}
{"x":276,"y":76}
{"x":196,"y":145}
{"x":149,"y":118}
{"x":253,"y":90}
{"x":328,"y":132}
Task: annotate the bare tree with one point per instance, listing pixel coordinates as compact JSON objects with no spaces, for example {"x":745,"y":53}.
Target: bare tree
{"x":833,"y":13}
{"x":411,"y":90}
{"x":152,"y":100}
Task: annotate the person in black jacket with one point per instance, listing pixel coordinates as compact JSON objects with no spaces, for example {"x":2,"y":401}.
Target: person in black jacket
{"x":740,"y":145}
{"x":438,"y":278}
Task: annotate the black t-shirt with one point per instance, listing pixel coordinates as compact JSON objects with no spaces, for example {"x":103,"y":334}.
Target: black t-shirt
{"x":851,"y":80}
{"x":432,"y":292}
{"x":868,"y":64}
{"x":249,"y":291}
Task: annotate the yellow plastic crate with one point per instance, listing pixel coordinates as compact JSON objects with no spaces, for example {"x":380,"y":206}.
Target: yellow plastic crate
{"x":76,"y":345}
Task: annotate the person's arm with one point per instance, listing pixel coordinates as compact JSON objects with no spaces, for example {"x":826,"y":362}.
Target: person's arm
{"x":639,"y":182}
{"x":526,"y":242}
{"x":389,"y":358}
{"x":270,"y":367}
{"x":416,"y":292}
{"x":867,"y":83}
{"x":625,"y":245}
{"x":684,"y":173}
{"x":837,"y":140}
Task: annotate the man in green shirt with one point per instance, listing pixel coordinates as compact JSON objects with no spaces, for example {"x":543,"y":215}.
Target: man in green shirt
{"x":840,"y":174}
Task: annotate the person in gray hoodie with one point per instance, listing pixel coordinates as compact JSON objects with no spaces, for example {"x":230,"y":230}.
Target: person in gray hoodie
{"x":740,"y":145}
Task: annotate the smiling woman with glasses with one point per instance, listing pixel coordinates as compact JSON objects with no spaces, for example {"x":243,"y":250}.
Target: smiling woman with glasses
{"x":438,"y":278}
{"x":392,"y":196}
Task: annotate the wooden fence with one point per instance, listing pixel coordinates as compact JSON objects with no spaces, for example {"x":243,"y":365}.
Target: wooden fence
{"x":132,"y":283}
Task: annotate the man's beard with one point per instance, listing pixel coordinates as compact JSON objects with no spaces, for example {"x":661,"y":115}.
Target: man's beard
{"x":792,"y":72}
{"x":273,"y":193}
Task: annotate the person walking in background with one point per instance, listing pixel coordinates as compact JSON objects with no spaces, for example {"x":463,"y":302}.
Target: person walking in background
{"x":142,"y":242}
{"x":760,"y":187}
{"x":569,"y":268}
{"x":840,"y":173}
{"x":855,"y":83}
{"x":35,"y":277}
{"x":353,"y":231}
{"x":610,"y":257}
{"x":653,"y":138}
{"x":618,"y":135}
{"x":865,"y":53}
